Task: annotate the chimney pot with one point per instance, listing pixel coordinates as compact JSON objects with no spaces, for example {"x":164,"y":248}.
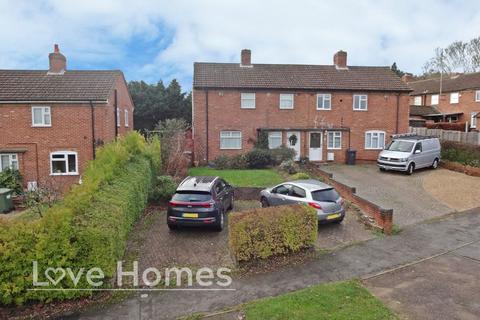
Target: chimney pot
{"x":58,"y":62}
{"x":55,"y":48}
{"x":246,"y":57}
{"x":340,"y":60}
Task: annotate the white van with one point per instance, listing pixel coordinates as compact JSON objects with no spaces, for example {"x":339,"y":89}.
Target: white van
{"x":407,"y":152}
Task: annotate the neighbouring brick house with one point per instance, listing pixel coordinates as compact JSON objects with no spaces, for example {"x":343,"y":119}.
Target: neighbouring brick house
{"x":319,"y":110}
{"x":52,"y":120}
{"x":459,"y":100}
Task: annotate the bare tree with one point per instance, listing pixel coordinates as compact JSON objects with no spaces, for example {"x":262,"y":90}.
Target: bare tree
{"x":44,"y":196}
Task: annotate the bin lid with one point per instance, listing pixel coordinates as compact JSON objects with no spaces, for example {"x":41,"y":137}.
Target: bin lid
{"x":5,"y":190}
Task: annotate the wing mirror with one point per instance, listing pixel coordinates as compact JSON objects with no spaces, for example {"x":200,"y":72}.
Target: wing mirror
{"x":417,"y":151}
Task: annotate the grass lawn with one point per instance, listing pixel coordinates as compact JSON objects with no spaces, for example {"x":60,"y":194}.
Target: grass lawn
{"x":241,"y":178}
{"x":340,"y":300}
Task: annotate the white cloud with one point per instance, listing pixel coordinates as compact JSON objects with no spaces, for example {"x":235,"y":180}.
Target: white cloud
{"x":92,"y":33}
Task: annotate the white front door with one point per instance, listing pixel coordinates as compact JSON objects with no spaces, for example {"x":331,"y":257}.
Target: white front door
{"x":315,"y":147}
{"x":293,"y":141}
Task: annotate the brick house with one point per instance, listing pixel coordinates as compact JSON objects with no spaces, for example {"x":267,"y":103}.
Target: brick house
{"x":459,"y":100}
{"x":318,"y":110}
{"x":51,"y":121}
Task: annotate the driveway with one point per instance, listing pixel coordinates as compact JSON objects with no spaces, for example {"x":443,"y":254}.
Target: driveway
{"x":406,"y":195}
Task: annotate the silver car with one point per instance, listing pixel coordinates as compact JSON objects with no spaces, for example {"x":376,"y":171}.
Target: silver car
{"x":328,"y":203}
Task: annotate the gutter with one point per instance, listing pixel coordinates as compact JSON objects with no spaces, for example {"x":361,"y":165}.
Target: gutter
{"x":52,"y":101}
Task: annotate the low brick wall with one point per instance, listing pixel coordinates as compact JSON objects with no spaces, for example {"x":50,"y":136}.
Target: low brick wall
{"x":383,"y":217}
{"x":458,"y":167}
{"x":247,"y":193}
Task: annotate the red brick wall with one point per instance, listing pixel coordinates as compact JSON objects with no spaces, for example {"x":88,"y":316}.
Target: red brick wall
{"x":225,"y":114}
{"x":70,"y":131}
{"x":466,"y":104}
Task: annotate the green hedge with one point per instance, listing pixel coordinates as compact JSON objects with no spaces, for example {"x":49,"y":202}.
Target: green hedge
{"x":87,"y":229}
{"x":261,"y":233}
{"x":465,"y":154}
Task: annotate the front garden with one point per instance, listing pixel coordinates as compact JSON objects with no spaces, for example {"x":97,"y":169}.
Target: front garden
{"x":241,"y":177}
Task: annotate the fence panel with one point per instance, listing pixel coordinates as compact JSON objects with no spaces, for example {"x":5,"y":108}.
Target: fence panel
{"x":449,"y":135}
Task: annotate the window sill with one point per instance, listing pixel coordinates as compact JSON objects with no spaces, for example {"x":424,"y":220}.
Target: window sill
{"x":373,"y":148}
{"x":334,"y":149}
{"x":324,"y":109}
{"x":41,"y":126}
{"x":65,"y":174}
{"x":360,"y":109}
{"x":230,"y":148}
{"x":243,"y":108}
{"x":286,"y":108}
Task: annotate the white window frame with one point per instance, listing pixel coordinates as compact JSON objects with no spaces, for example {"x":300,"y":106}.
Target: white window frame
{"x":454,"y":97}
{"x":361,"y":97}
{"x":247,"y":96}
{"x":477,"y":96}
{"x":46,"y":111}
{"x":12,"y":159}
{"x":274,"y":135}
{"x":65,"y":154}
{"x":325,"y":97}
{"x":126,"y":118}
{"x":290,"y":97}
{"x":331,"y":138}
{"x":118,"y":118}
{"x":437,"y":99}
{"x":417,"y":100}
{"x":372,"y":133}
{"x":473,"y":120}
{"x":229,"y":135}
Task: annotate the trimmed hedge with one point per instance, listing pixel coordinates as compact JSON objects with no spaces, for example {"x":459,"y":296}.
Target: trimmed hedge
{"x":87,"y":229}
{"x":455,"y":126}
{"x":261,"y":233}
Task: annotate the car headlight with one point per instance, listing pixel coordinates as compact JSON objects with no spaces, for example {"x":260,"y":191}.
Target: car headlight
{"x":403,"y":159}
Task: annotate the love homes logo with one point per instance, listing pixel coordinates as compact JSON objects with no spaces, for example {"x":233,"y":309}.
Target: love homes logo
{"x":205,"y":278}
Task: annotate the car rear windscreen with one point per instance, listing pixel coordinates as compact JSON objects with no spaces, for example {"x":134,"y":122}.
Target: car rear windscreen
{"x":325,"y":195}
{"x":189,"y":196}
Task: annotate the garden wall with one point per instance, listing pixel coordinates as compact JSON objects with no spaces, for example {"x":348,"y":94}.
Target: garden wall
{"x":458,"y":167}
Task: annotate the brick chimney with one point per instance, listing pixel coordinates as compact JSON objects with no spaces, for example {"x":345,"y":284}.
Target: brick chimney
{"x":340,"y":60}
{"x":407,"y":77}
{"x":58,"y":62}
{"x":246,"y":60}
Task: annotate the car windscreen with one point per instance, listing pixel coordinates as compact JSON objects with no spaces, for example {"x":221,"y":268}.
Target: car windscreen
{"x":401,"y":146}
{"x":191,"y":196}
{"x":325,"y":195}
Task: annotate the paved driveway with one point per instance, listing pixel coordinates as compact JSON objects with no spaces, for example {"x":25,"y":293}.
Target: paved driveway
{"x":404,"y":194}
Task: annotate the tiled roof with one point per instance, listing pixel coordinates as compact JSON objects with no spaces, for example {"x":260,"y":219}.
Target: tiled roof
{"x":289,"y":76}
{"x":38,"y":85}
{"x":422,"y":110}
{"x":449,"y":84}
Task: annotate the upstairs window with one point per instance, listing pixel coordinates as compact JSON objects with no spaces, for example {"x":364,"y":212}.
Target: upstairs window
{"x":454,"y":96}
{"x":41,"y":117}
{"x":64,"y":163}
{"x":286,"y":100}
{"x":8,"y":161}
{"x":230,"y":140}
{"x":247,"y":100}
{"x":274,"y":139}
{"x":434,"y":100}
{"x":360,"y":102}
{"x":374,"y":140}
{"x":334,"y":140}
{"x":126,"y":118}
{"x":417,"y":101}
{"x":324,"y":101}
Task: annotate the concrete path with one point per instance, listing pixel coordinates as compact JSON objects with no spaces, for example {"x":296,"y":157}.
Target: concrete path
{"x":405,"y":194}
{"x":369,"y":258}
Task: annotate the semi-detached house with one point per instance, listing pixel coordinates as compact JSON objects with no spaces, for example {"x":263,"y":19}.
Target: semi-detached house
{"x":52,"y":121}
{"x":318,"y":110}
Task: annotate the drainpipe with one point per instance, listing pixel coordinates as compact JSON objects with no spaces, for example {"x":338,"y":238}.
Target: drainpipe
{"x":398,"y":112}
{"x":93,"y":128}
{"x":115,"y":107}
{"x":206,"y":122}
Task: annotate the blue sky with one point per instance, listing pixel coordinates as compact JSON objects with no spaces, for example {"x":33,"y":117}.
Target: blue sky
{"x":155,"y":39}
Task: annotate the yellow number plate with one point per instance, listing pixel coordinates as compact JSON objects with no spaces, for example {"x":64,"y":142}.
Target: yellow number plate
{"x":190,"y":215}
{"x":333,"y":216}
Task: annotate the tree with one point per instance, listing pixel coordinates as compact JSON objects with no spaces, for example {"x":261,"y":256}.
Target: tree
{"x":155,"y":102}
{"x":459,"y":56}
{"x":395,"y":69}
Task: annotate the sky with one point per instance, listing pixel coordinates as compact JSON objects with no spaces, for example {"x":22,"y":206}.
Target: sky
{"x":159,"y":40}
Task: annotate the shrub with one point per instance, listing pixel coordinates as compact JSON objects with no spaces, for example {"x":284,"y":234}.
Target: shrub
{"x":238,"y":162}
{"x":258,"y":158}
{"x":300,"y":176}
{"x":264,"y":232}
{"x":456,"y":126}
{"x":87,"y":229}
{"x":466,"y":154}
{"x":11,"y":179}
{"x":289,"y":166}
{"x":222,"y":162}
{"x":281,"y":154}
{"x":173,"y":136}
{"x":262,"y":140}
{"x":163,"y":189}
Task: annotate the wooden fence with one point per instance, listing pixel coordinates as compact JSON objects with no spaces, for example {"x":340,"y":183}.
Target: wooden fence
{"x":449,"y":135}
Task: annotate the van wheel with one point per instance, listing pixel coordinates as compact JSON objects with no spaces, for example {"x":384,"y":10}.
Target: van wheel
{"x":435,"y":164}
{"x":264,"y":202}
{"x":410,"y":169}
{"x":381,"y":169}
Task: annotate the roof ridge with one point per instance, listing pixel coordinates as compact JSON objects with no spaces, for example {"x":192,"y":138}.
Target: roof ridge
{"x":289,"y":64}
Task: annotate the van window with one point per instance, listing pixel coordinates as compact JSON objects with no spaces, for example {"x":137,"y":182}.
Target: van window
{"x":401,"y":146}
{"x":418,"y":147}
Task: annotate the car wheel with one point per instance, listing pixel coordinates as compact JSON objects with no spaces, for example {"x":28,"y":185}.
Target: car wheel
{"x":381,"y":169}
{"x":232,"y":200}
{"x":220,"y":224}
{"x":265,"y":203}
{"x":410,"y":169}
{"x":172,"y":227}
{"x":339,"y":220}
{"x":435,"y":164}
